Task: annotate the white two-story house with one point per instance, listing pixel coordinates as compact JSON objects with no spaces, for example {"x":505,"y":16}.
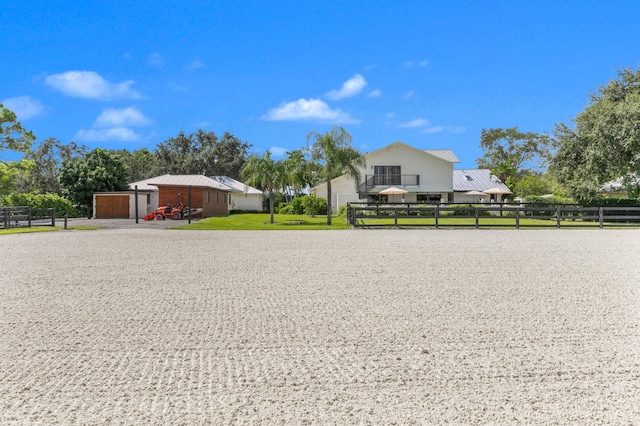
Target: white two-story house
{"x":426,"y":175}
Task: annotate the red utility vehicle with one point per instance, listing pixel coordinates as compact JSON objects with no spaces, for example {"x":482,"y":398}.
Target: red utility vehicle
{"x":168,"y":211}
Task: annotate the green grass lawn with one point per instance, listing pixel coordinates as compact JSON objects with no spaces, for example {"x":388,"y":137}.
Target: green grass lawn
{"x":489,"y":222}
{"x":46,"y":229}
{"x":27,"y":230}
{"x":260,"y":221}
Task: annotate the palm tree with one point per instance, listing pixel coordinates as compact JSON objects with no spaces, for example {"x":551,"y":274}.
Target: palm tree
{"x":297,"y":172}
{"x":335,"y":156}
{"x":263,"y":172}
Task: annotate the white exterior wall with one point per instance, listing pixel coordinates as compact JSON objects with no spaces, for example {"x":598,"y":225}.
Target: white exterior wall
{"x":436,"y":175}
{"x":340,"y":185}
{"x":247,"y":202}
{"x":154,"y":201}
{"x":142,"y":205}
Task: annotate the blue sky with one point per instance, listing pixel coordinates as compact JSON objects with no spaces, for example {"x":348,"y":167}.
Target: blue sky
{"x":432,"y":74}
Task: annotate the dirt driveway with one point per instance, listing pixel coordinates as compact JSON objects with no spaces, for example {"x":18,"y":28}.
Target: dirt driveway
{"x":124,"y":223}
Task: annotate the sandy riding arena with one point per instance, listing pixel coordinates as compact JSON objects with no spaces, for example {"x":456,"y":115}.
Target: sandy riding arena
{"x":149,"y":326}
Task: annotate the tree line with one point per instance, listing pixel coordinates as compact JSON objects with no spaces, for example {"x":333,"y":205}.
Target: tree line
{"x":602,"y":143}
{"x":73,"y":172}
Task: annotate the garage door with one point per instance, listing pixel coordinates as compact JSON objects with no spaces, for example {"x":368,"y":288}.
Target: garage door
{"x":112,"y":206}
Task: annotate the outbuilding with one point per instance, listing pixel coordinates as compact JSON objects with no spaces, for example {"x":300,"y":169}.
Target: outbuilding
{"x":196,"y":191}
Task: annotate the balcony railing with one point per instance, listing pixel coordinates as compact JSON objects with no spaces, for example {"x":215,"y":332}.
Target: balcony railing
{"x":372,"y":181}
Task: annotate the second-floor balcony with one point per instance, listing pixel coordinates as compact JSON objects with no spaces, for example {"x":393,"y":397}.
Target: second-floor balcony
{"x":372,"y":181}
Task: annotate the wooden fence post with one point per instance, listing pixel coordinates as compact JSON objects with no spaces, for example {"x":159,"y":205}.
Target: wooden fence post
{"x":477,"y":224}
{"x":601,"y":217}
{"x":437,"y":214}
{"x":518,"y":218}
{"x":558,"y":217}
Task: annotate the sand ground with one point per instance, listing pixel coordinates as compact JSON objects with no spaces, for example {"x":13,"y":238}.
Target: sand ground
{"x":149,"y":326}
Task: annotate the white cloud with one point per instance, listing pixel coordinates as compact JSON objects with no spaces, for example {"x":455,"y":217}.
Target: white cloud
{"x":426,"y":127}
{"x":308,"y":109}
{"x":121,"y":134}
{"x":113,"y":117}
{"x":196,"y":64}
{"x":375,"y":93}
{"x":416,"y":64}
{"x":24,"y":107}
{"x":418,"y":122}
{"x":453,"y":130}
{"x":409,"y":94}
{"x":155,"y":60}
{"x":351,"y":87}
{"x":433,"y":129}
{"x":456,"y":130}
{"x":90,"y":85}
{"x":278,"y":151}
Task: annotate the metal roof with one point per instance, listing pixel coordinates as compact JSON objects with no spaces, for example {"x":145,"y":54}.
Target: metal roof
{"x":236,"y":185}
{"x":189,"y":180}
{"x":476,"y":180}
{"x":445,"y":154}
{"x":143,"y":185}
{"x":621,"y":183}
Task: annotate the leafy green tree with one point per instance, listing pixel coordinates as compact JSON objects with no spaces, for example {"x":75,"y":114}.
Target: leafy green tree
{"x":13,"y":136}
{"x":535,"y":184}
{"x":11,"y":173}
{"x":263,"y":172}
{"x":297,"y":173}
{"x":228,"y":156}
{"x":96,"y":171}
{"x":313,"y":205}
{"x":202,"y":153}
{"x":604,"y":143}
{"x":45,"y":160}
{"x":335,"y":156}
{"x":509,"y":153}
{"x":141,"y":163}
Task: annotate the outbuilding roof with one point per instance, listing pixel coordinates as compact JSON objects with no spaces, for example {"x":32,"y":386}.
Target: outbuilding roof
{"x":188,"y":180}
{"x":620,"y":184}
{"x":476,"y":180}
{"x":143,"y":185}
{"x":236,"y":185}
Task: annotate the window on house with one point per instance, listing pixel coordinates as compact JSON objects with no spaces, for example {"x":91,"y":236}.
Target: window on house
{"x":428,"y":198}
{"x":387,"y":175}
{"x":216,"y":198}
{"x":208,"y":197}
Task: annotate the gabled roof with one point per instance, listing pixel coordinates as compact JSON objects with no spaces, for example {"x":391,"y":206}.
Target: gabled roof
{"x":442,"y":154}
{"x":445,"y":154}
{"x":236,"y":185}
{"x":143,"y":185}
{"x":476,"y":180}
{"x":199,"y":181}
